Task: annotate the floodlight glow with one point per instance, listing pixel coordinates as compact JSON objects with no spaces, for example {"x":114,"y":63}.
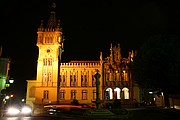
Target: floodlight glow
{"x":11,"y":81}
{"x":26,"y":110}
{"x":7,"y":97}
{"x":150,"y":92}
{"x":13,"y":111}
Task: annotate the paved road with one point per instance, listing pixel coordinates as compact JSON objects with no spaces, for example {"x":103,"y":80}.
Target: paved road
{"x":134,"y":114}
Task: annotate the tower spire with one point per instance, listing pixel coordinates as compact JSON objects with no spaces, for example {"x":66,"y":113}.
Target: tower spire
{"x":52,"y":22}
{"x":111,"y":54}
{"x":41,"y":26}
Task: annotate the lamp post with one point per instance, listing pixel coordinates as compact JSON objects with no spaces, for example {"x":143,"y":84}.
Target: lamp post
{"x":58,"y":82}
{"x":98,"y":102}
{"x":61,"y":50}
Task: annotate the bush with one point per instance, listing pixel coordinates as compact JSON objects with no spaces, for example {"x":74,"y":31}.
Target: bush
{"x":75,"y":102}
{"x":117,"y":104}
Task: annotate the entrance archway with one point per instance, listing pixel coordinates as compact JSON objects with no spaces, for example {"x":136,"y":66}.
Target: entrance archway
{"x":109,"y":93}
{"x":126,"y":93}
{"x":117,"y":93}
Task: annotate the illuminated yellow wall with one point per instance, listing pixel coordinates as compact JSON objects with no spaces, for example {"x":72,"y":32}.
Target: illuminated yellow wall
{"x":49,"y":41}
{"x":30,"y":93}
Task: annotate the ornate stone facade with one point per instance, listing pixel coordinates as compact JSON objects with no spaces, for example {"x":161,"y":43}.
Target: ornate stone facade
{"x":77,"y":77}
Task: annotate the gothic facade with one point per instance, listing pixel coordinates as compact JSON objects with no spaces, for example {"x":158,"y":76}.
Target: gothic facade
{"x":76,"y":78}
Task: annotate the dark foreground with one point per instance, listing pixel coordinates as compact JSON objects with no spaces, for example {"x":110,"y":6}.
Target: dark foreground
{"x":154,"y":114}
{"x":133,"y":114}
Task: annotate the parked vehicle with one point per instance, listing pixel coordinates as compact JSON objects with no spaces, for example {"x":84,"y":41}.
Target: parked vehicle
{"x":146,"y":103}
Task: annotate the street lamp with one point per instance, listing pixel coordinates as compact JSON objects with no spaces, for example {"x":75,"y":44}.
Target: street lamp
{"x":11,"y":81}
{"x":9,"y":97}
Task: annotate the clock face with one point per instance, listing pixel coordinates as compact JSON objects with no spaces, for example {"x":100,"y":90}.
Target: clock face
{"x":48,"y":50}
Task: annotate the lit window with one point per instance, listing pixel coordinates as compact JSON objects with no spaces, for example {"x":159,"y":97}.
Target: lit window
{"x":49,"y":77}
{"x":107,"y":76}
{"x":126,"y":93}
{"x":44,"y":77}
{"x":116,"y":78}
{"x":48,"y":40}
{"x":62,"y":80}
{"x":109,"y":93}
{"x":73,"y":80}
{"x":73,"y":94}
{"x":117,"y":93}
{"x":46,"y":94}
{"x":62,"y":94}
{"x":45,"y":61}
{"x":84,"y":82}
{"x":84,"y":94}
{"x":50,"y":62}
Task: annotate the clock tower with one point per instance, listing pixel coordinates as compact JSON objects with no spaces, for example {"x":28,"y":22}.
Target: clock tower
{"x":50,"y":45}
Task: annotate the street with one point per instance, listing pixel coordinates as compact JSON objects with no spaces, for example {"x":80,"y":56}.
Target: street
{"x":134,"y":114}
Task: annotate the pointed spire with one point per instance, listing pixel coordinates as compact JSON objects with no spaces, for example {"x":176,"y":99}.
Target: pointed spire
{"x":111,"y":49}
{"x":111,"y":54}
{"x":58,"y":26}
{"x":41,"y":28}
{"x":119,"y":46}
{"x":52,"y":23}
{"x":101,"y":57}
{"x":119,"y":52}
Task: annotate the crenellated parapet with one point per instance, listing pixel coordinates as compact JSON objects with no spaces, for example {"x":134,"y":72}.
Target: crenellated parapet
{"x":77,"y":64}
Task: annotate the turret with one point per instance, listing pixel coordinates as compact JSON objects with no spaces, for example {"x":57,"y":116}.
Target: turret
{"x":111,"y":55}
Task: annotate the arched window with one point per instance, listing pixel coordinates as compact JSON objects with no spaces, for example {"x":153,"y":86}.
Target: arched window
{"x":109,"y":94}
{"x":49,"y":61}
{"x":44,"y":76}
{"x":126,"y":93}
{"x":49,"y":77}
{"x":45,"y":61}
{"x":117,"y":92}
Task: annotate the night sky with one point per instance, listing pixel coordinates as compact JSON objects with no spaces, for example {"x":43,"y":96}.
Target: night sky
{"x":89,"y":26}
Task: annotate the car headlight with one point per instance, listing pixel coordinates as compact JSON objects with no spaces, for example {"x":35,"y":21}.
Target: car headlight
{"x":26,"y":110}
{"x":13,"y":111}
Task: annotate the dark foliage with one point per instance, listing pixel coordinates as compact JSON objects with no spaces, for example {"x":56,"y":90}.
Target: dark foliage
{"x":157,"y":64}
{"x":117,"y":104}
{"x":75,"y":102}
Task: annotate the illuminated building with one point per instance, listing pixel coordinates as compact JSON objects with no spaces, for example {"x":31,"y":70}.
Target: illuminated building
{"x":77,"y":77}
{"x":4,"y":70}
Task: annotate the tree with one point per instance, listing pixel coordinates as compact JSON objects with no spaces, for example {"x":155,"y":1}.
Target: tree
{"x":157,"y":64}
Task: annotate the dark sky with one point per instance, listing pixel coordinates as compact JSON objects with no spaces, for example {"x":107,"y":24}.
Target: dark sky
{"x":89,"y":27}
